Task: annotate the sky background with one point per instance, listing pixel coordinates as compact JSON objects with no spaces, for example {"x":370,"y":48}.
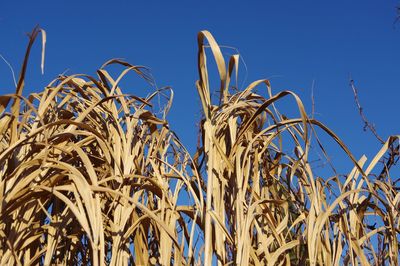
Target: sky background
{"x":294,"y":43}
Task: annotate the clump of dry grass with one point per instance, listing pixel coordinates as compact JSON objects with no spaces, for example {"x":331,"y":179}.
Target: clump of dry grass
{"x":91,"y":175}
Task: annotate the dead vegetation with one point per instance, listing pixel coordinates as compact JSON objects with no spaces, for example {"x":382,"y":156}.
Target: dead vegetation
{"x":90,"y":175}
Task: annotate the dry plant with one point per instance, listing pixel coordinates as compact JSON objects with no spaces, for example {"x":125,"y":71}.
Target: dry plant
{"x":92,"y":176}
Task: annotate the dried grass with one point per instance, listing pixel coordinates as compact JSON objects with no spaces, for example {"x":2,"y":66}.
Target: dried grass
{"x":90,"y":175}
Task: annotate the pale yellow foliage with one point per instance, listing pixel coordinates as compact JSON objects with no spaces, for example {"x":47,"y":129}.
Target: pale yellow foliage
{"x":90,"y":175}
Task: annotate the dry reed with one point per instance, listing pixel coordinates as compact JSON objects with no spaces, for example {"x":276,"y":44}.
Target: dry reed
{"x":90,"y":175}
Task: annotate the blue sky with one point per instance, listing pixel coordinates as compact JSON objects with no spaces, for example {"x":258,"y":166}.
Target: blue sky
{"x":294,"y":43}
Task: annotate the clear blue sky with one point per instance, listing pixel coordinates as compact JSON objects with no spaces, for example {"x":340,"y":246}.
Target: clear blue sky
{"x":295,"y":43}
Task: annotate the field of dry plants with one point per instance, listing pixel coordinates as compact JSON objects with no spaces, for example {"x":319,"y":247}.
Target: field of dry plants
{"x":91,"y":175}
